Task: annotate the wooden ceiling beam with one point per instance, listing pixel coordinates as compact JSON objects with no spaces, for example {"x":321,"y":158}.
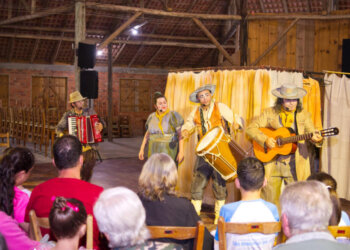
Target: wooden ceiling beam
{"x":32,"y":6}
{"x":35,"y":50}
{"x":45,"y":13}
{"x":95,"y":31}
{"x":119,"y":30}
{"x":296,"y":16}
{"x":285,"y":6}
{"x":94,"y":40}
{"x":118,"y":8}
{"x":279,"y":38}
{"x":213,"y":40}
{"x":262,"y":6}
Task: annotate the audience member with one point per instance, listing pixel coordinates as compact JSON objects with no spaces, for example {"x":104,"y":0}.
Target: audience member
{"x":67,"y":222}
{"x":338,"y":217}
{"x":306,"y":210}
{"x":157,"y":183}
{"x":121,"y":217}
{"x":251,"y":208}
{"x":68,"y":159}
{"x":15,"y":167}
{"x":15,"y":237}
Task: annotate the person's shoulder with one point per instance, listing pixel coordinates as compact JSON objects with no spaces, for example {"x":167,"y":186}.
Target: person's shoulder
{"x":232,"y":206}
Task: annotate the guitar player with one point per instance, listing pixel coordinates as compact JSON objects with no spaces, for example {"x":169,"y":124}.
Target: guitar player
{"x":76,"y":101}
{"x":287,"y":112}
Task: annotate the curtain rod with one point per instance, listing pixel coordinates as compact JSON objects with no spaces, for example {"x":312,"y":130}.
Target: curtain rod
{"x":246,"y":68}
{"x":336,"y":72}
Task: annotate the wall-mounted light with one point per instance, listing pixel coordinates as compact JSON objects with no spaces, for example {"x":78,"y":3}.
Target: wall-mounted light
{"x":99,"y":52}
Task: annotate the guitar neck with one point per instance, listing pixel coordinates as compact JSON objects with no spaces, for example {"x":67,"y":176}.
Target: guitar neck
{"x":295,"y":138}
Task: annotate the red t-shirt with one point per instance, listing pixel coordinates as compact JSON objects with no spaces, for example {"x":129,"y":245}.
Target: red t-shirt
{"x":87,"y":193}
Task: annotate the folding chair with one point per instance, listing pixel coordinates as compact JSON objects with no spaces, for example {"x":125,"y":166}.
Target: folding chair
{"x":180,"y":233}
{"x":35,"y":223}
{"x":246,"y":228}
{"x":5,"y":136}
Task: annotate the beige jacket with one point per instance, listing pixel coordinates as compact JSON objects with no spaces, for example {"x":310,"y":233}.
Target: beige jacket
{"x":270,"y":119}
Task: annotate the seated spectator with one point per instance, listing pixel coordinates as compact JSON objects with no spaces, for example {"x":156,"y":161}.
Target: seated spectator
{"x":306,"y":209}
{"x":15,"y":237}
{"x":157,"y":183}
{"x":67,"y":222}
{"x":339,"y":217}
{"x":251,"y":208}
{"x":15,"y":167}
{"x":68,"y":159}
{"x":121,"y":218}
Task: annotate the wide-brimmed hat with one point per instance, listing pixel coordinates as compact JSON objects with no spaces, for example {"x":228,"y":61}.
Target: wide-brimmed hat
{"x":289,"y":92}
{"x":75,"y":97}
{"x":210,"y":87}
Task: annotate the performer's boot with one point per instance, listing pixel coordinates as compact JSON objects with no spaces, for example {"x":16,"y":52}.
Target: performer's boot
{"x":197,"y":205}
{"x":218,"y":205}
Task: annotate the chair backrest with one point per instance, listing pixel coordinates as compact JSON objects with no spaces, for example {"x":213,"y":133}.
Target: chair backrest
{"x":35,"y":223}
{"x":180,"y":233}
{"x":340,"y":231}
{"x":246,"y":228}
{"x":7,"y":137}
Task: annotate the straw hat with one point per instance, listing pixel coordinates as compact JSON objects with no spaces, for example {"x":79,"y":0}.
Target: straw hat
{"x":75,"y":97}
{"x":289,"y":92}
{"x":193,"y":96}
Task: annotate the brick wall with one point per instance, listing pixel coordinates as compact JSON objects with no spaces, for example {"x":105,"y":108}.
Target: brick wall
{"x":20,"y":88}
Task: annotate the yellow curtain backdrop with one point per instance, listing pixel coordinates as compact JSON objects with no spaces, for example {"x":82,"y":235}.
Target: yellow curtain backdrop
{"x":246,"y":92}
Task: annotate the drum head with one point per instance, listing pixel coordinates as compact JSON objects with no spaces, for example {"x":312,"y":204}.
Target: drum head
{"x":208,"y":138}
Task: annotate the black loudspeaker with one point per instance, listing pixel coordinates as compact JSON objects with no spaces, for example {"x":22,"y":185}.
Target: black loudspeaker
{"x":89,"y":84}
{"x":346,"y":56}
{"x":86,"y":55}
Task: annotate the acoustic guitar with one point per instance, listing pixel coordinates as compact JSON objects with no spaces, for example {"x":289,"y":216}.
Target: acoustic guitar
{"x":285,"y":142}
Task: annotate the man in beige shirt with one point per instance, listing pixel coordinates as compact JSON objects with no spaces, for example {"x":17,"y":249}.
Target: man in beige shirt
{"x":208,"y":115}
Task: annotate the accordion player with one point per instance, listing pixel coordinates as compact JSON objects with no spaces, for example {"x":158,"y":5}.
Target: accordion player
{"x":84,"y":127}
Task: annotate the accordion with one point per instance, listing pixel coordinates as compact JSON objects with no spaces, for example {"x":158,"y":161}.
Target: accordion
{"x":83,"y":127}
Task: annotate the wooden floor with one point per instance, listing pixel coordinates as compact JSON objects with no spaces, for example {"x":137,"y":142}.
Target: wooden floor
{"x":121,"y":172}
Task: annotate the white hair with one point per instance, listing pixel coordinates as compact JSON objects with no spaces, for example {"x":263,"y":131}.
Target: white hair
{"x":307,"y":205}
{"x":120,"y":215}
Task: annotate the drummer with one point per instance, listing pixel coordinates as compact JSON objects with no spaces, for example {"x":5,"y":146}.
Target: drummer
{"x":208,"y":115}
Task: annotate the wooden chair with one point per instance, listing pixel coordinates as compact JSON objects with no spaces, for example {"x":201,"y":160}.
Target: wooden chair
{"x":5,"y":136}
{"x":340,"y":231}
{"x":180,"y":233}
{"x":246,"y":228}
{"x":124,"y":126}
{"x":35,"y":223}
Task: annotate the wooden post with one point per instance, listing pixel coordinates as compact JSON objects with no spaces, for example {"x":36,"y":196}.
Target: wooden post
{"x":80,"y":26}
{"x":243,"y":46}
{"x":110,"y":92}
{"x":212,"y":38}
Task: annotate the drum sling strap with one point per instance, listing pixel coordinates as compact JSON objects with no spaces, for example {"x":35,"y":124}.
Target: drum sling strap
{"x":223,"y":120}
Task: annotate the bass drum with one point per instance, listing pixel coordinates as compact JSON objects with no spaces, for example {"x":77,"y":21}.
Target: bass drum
{"x":222,"y":153}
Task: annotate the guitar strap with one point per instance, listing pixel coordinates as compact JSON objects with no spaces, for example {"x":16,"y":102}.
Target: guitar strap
{"x":295,"y":123}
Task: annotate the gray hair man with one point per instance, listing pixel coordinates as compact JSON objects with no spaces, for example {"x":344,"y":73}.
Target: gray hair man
{"x":306,"y":208}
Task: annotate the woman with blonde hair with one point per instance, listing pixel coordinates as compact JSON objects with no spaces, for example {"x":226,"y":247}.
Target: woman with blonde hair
{"x":163,"y":207}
